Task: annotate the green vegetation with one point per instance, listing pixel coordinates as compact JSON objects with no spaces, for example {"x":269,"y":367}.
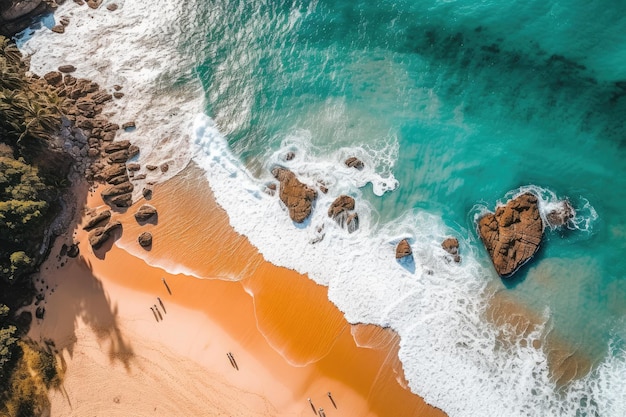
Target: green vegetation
{"x":31,"y":170}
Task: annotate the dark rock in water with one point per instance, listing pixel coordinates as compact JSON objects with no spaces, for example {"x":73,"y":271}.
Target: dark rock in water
{"x":297,"y":196}
{"x":147,"y":193}
{"x":58,"y":29}
{"x":99,"y":235}
{"x":73,"y":250}
{"x":145,"y":239}
{"x":354,"y":162}
{"x":562,"y":214}
{"x":451,"y":245}
{"x":289,"y":156}
{"x":513,"y":234}
{"x":67,"y":68}
{"x":164,"y":167}
{"x":132,"y":151}
{"x":403,"y":249}
{"x":99,"y":218}
{"x":40,"y":312}
{"x":128,"y":125}
{"x":352,"y":222}
{"x":341,"y":204}
{"x":151,"y":167}
{"x":145,"y":213}
{"x":118,"y":95}
{"x":133,"y":166}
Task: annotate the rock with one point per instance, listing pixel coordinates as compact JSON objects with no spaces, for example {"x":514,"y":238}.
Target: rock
{"x":110,"y":127}
{"x":73,"y":250}
{"x":94,"y":4}
{"x":97,"y":219}
{"x":99,"y":235}
{"x":140,"y":177}
{"x":114,"y":170}
{"x":67,"y":69}
{"x":298,"y":197}
{"x":341,"y":204}
{"x":354,"y":162}
{"x":40,"y":312}
{"x":513,"y":234}
{"x":133,"y":166}
{"x":118,"y":95}
{"x":116,"y":146}
{"x":118,"y":180}
{"x":150,"y":167}
{"x":84,"y":122}
{"x":69,"y":79}
{"x":12,"y":10}
{"x":117,"y":87}
{"x":64,"y":21}
{"x":119,"y":156}
{"x":123,"y":188}
{"x":145,"y":213}
{"x":289,"y":156}
{"x":145,"y":239}
{"x":352,"y":222}
{"x":93,"y":152}
{"x":101,"y":97}
{"x":54,"y":78}
{"x":164,"y":167}
{"x":147,"y":193}
{"x":108,"y":137}
{"x":560,"y":215}
{"x":128,"y":125}
{"x":112,"y":7}
{"x":58,"y":29}
{"x":123,"y":200}
{"x":451,"y":245}
{"x":403,"y":249}
{"x":133,"y":150}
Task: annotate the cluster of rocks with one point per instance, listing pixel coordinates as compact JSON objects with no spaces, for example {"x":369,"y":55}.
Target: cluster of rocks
{"x":101,"y":228}
{"x":450,"y":245}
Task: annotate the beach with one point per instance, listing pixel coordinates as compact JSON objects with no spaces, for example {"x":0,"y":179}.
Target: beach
{"x":289,"y":342}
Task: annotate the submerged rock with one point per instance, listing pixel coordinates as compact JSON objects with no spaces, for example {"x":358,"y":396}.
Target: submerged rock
{"x":297,"y":196}
{"x":451,"y":245}
{"x":560,"y":215}
{"x":512,"y":234}
{"x":354,"y":162}
{"x":340,"y":211}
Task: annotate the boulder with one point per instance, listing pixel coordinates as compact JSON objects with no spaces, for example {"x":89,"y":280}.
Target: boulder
{"x":122,"y":200}
{"x":451,"y":245}
{"x":15,"y":9}
{"x":99,"y":235}
{"x":298,"y":197}
{"x":114,"y":170}
{"x":67,"y":68}
{"x":289,"y":156}
{"x":147,"y":193}
{"x":53,"y":78}
{"x":561,"y":214}
{"x":164,"y":167}
{"x":342,"y":204}
{"x":145,"y":213}
{"x":118,"y":180}
{"x":100,"y":97}
{"x":403,"y":249}
{"x":118,"y":95}
{"x":128,"y":125}
{"x":145,"y":239}
{"x":58,"y":29}
{"x":354,"y":162}
{"x":119,"y":156}
{"x":150,"y":167}
{"x":512,"y":234}
{"x":132,"y":151}
{"x":116,"y":146}
{"x":133,"y":166}
{"x":97,"y":219}
{"x":122,"y":188}
{"x":352,"y":222}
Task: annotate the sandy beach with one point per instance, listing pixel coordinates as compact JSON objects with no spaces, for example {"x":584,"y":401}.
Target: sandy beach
{"x":289,"y":342}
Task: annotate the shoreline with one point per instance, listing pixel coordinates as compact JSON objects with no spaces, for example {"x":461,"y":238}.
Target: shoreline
{"x":122,"y":325}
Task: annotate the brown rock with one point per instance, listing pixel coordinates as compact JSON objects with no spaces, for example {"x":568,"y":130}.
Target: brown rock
{"x":123,"y":200}
{"x":118,"y":180}
{"x":140,"y":177}
{"x":94,"y":4}
{"x":298,"y":197}
{"x":451,"y":245}
{"x":116,"y":146}
{"x":133,"y":166}
{"x":560,"y":215}
{"x":128,"y":125}
{"x":513,"y":234}
{"x":132,"y":151}
{"x":93,"y":152}
{"x":150,"y":167}
{"x":67,"y":68}
{"x":403,"y":249}
{"x":110,"y":127}
{"x":58,"y":29}
{"x":123,"y":188}
{"x":97,"y":219}
{"x":108,"y":136}
{"x":99,"y":235}
{"x":64,"y":21}
{"x":117,"y":87}
{"x":101,"y":97}
{"x":147,"y":193}
{"x":119,"y":156}
{"x":289,"y":156}
{"x":352,"y":222}
{"x":354,"y":162}
{"x":112,"y":7}
{"x":113,"y":171}
{"x":54,"y":78}
{"x":118,"y":95}
{"x":164,"y":167}
{"x":342,"y":204}
{"x":145,"y":239}
{"x":69,"y":79}
{"x":145,"y":213}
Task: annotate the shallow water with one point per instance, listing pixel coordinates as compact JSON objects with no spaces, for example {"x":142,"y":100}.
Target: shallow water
{"x":454,"y":107}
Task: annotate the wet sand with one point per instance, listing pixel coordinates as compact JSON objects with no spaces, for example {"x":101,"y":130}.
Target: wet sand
{"x":289,"y":342}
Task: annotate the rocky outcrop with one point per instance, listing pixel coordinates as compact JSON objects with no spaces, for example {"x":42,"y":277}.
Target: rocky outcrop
{"x":451,"y":245}
{"x":17,"y":15}
{"x":145,"y":213}
{"x":512,"y":234}
{"x":403,"y":249}
{"x":561,"y":214}
{"x":354,"y":162}
{"x":99,"y":235}
{"x":298,"y":197}
{"x":113,"y":190}
{"x":99,"y":218}
{"x":340,"y":211}
{"x":145,"y":239}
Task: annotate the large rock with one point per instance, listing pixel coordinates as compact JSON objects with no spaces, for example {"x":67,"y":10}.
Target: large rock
{"x":145,"y":213}
{"x":340,"y":211}
{"x":403,"y":249}
{"x":512,"y":234}
{"x":117,"y":146}
{"x":114,"y":170}
{"x":354,"y":162}
{"x":145,"y":239}
{"x":561,"y":214}
{"x":298,"y":197}
{"x":451,"y":245}
{"x":122,"y":200}
{"x":123,"y":188}
{"x":97,"y":219}
{"x":119,"y":156}
{"x":99,"y":235}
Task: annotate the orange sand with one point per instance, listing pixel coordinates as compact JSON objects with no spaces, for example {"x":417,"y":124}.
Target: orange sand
{"x":289,"y":341}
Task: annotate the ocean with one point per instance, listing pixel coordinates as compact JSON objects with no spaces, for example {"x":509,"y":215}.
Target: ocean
{"x":454,"y":107}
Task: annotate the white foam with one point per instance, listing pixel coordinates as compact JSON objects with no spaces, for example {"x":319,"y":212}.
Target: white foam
{"x":139,"y":51}
{"x":449,"y":352}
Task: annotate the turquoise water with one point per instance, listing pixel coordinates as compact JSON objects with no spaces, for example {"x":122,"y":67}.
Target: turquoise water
{"x":478,"y":98}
